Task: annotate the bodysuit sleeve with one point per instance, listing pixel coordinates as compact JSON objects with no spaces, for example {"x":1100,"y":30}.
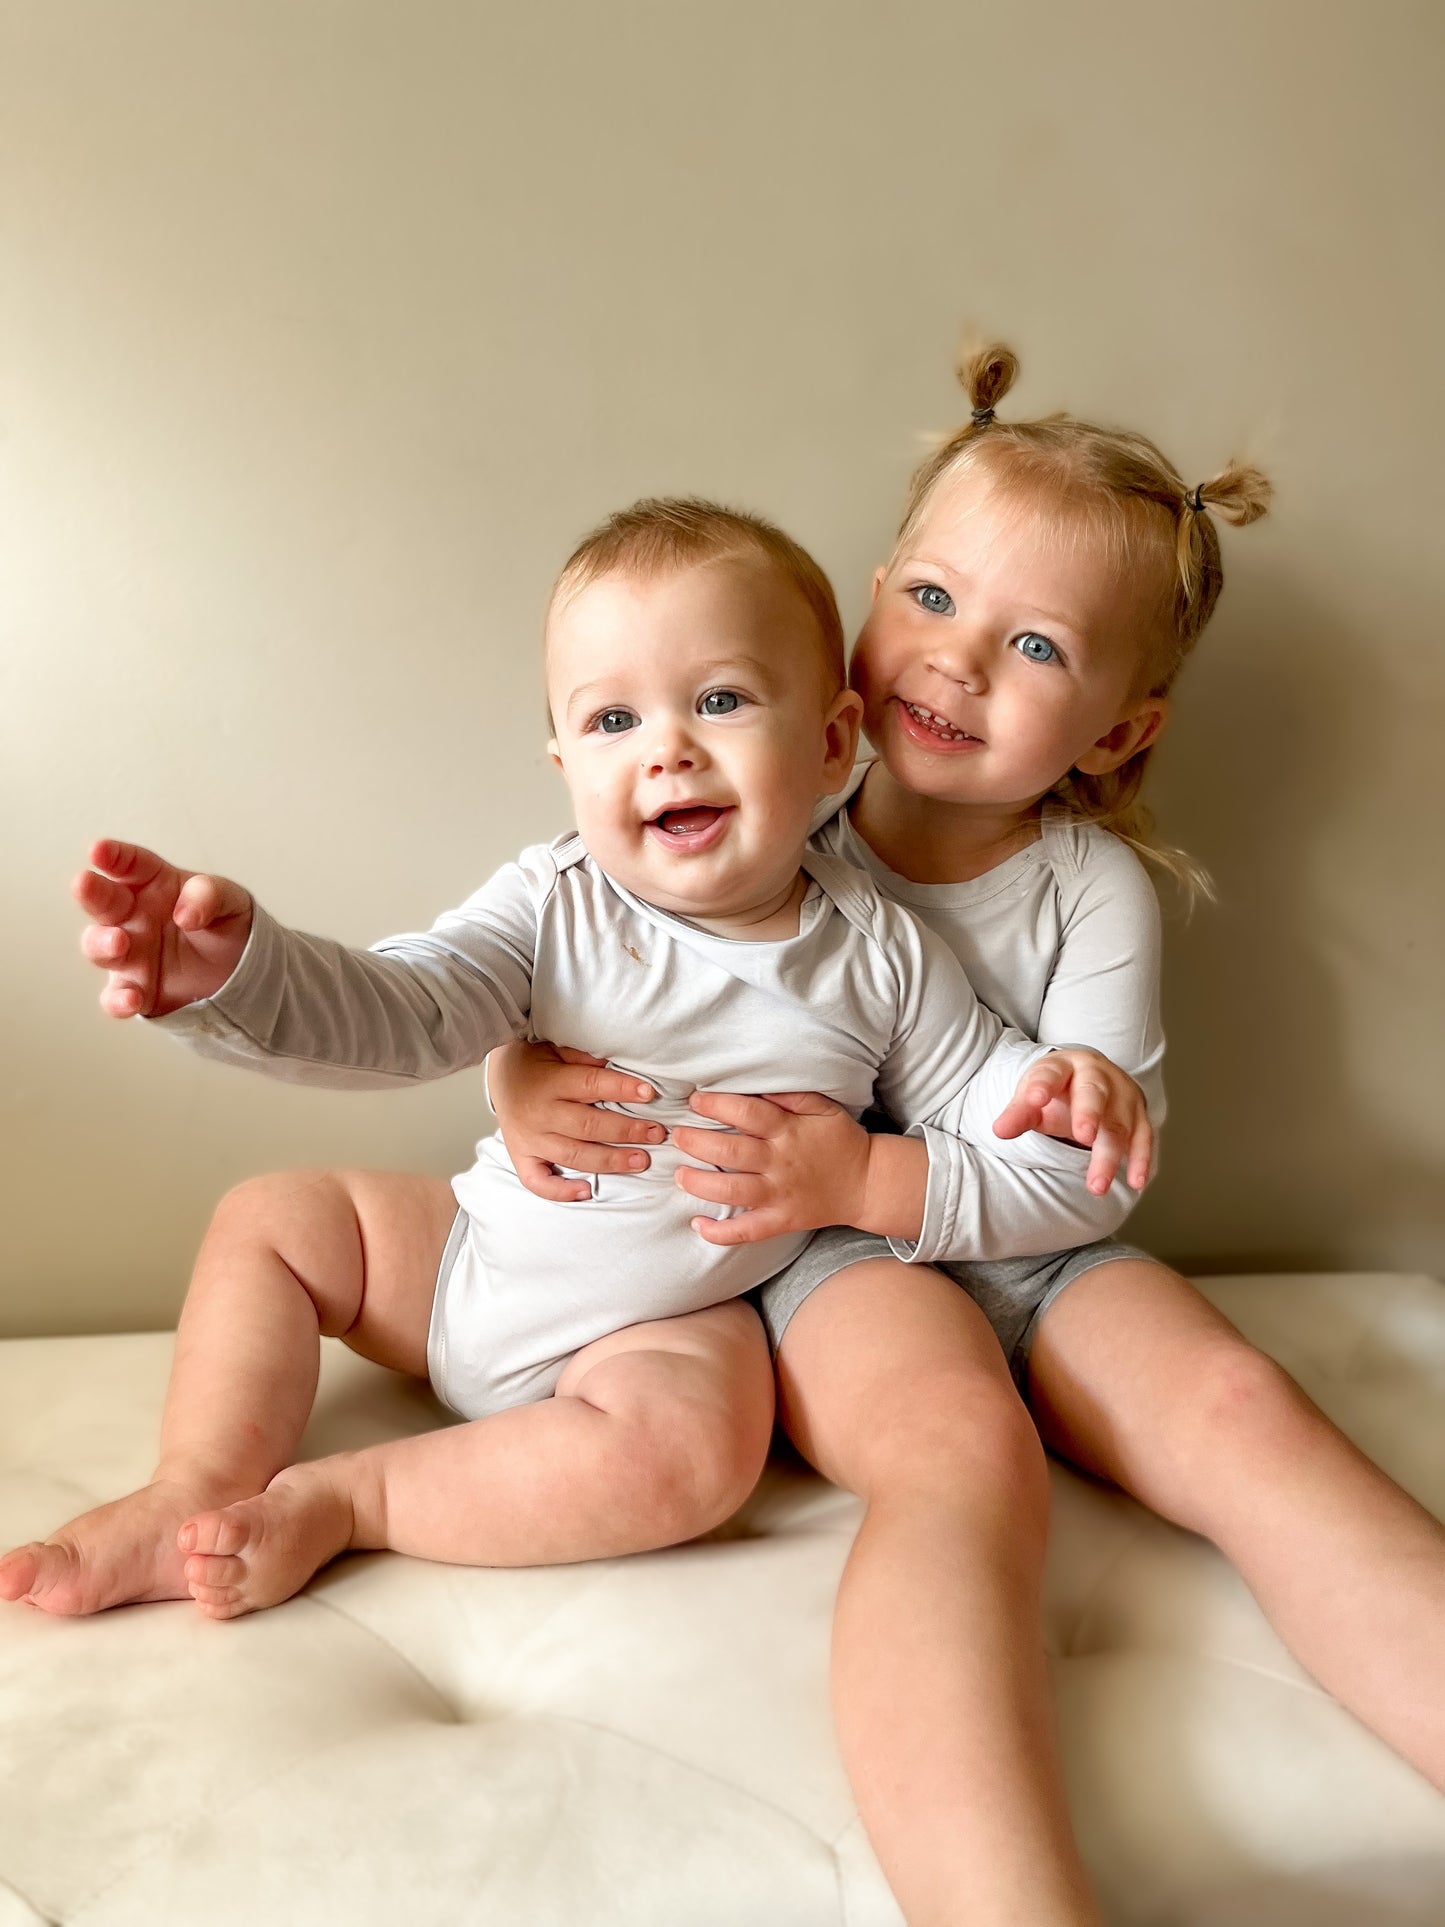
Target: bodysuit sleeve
{"x":413,"y":1007}
{"x":990,"y":1197}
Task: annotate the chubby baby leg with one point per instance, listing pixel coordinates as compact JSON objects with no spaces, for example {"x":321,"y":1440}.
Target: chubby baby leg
{"x":287,"y":1257}
{"x":654,"y":1435}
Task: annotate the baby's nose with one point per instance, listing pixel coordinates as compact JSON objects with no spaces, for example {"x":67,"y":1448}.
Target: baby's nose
{"x":673,"y":751}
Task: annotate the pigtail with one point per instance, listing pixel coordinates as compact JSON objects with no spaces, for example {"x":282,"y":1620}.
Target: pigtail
{"x":985,"y":376}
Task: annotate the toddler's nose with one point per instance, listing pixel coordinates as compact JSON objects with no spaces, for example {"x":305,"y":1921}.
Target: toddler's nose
{"x":962,"y":659}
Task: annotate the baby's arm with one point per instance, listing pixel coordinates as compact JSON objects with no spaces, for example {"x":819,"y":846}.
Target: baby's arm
{"x":310,"y":1010}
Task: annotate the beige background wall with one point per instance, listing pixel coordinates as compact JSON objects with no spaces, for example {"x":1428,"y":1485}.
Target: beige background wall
{"x":329,"y":324}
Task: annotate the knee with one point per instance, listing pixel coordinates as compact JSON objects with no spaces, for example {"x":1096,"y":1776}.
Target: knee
{"x":697,"y":1465}
{"x":1239,"y":1395}
{"x":957,"y":1436}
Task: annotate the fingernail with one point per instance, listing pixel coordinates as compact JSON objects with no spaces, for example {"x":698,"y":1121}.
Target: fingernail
{"x":655,"y":1134}
{"x":644,"y":1091}
{"x":636,"y":1161}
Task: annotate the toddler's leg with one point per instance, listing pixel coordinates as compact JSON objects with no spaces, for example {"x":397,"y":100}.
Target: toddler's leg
{"x":352,"y":1254}
{"x":1139,"y":1380}
{"x":892,"y":1384}
{"x":654,"y":1435}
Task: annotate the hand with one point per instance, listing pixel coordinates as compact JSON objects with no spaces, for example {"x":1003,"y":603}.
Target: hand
{"x":1079,"y":1094}
{"x":546,"y":1097}
{"x":164,"y":937}
{"x":794,"y":1159}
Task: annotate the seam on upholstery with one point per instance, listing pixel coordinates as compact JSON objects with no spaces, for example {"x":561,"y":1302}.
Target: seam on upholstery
{"x":50,"y":1920}
{"x":687,"y":1766}
{"x":207,"y":1817}
{"x":453,"y":1716}
{"x":1260,"y":1671}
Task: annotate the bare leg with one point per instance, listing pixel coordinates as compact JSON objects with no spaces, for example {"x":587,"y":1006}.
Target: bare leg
{"x":288,"y":1257}
{"x":655,"y":1434}
{"x":1139,"y":1380}
{"x":892,"y":1384}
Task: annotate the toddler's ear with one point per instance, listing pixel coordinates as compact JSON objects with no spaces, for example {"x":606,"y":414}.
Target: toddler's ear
{"x":1128,"y":736}
{"x":552,"y":751}
{"x":880,"y":576}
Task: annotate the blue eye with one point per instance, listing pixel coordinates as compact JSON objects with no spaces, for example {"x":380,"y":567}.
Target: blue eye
{"x":612,"y":722}
{"x":938,"y":602}
{"x":720,"y":702}
{"x":1036,"y":648}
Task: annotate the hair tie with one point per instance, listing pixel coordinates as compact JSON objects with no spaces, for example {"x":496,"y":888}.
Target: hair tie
{"x":1195,"y":499}
{"x":982,"y":417}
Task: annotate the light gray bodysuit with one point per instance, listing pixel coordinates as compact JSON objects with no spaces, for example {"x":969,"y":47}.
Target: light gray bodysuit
{"x":862,"y":997}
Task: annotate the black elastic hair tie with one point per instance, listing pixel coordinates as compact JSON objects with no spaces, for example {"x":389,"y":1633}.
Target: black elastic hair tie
{"x":1195,"y":500}
{"x":982,"y":417}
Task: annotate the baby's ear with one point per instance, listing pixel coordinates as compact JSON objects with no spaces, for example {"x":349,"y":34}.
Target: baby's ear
{"x":1129,"y":735}
{"x":553,"y":752}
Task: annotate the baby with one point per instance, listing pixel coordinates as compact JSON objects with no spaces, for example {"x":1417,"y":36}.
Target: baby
{"x":619,"y":1388}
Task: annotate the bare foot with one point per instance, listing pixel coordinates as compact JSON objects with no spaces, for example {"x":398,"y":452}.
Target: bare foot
{"x":118,"y":1553}
{"x":260,"y":1551}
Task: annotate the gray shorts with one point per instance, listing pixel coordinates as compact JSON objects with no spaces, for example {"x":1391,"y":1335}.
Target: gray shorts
{"x":1012,"y":1293}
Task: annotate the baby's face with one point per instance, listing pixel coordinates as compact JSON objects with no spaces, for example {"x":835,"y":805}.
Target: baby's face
{"x":691,"y":724}
{"x":997,"y":655}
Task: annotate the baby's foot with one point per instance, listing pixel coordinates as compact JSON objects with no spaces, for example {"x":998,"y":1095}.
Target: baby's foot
{"x":260,"y":1551}
{"x":120,"y":1552}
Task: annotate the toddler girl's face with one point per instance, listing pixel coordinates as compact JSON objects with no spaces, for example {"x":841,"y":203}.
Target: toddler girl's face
{"x":999,"y":654}
{"x":691,"y":723}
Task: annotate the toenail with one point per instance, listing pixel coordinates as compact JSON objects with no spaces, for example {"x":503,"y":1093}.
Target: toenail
{"x":186,"y":1538}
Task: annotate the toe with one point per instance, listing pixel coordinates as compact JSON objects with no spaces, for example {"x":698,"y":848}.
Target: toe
{"x":218,"y":1602}
{"x":222,"y":1532}
{"x":18,"y":1570}
{"x":209,"y":1569}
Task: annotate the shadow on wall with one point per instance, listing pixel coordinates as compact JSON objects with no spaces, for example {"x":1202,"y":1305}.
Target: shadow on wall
{"x":1277,"y":1129}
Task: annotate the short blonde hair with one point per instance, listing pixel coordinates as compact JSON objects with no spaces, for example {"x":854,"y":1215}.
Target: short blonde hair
{"x":663,"y":533}
{"x":1116,"y":489}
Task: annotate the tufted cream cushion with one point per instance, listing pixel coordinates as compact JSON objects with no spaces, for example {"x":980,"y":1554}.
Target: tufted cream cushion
{"x":648,"y":1740}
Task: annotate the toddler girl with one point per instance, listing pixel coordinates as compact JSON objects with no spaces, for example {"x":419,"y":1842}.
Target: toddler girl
{"x":1048,"y":581}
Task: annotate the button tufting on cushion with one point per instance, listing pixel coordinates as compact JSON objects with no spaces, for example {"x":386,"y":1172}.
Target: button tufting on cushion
{"x":648,"y":1740}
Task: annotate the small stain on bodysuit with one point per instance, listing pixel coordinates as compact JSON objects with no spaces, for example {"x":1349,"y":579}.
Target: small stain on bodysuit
{"x":636,"y":955}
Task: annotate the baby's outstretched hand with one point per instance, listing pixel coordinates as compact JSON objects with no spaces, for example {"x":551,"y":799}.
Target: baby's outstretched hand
{"x":794,"y":1160}
{"x":164,"y":937}
{"x":1080,"y":1094}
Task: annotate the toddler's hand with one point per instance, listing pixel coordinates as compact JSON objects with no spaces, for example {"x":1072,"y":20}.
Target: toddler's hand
{"x":545,"y":1097}
{"x":1079,"y":1094}
{"x":164,"y":937}
{"x":794,"y":1160}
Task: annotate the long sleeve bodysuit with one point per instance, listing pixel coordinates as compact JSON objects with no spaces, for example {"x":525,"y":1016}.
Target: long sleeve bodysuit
{"x":863,"y":997}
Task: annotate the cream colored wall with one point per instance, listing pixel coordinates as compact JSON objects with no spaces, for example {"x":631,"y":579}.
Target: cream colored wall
{"x":329,"y":326}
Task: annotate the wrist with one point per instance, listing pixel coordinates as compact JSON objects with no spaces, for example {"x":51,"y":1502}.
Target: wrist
{"x":894,"y":1188}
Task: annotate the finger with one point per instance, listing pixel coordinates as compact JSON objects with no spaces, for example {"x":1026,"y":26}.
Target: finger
{"x":1141,"y":1153}
{"x":728,"y":1149}
{"x":722,"y":1187}
{"x":800,"y":1103}
{"x":749,"y":1229}
{"x":575,"y":1121}
{"x":206,"y":900}
{"x":566,"y":1054}
{"x":757,"y":1116}
{"x":1088,"y":1103}
{"x":587,"y":1085}
{"x":105,"y":944}
{"x":127,"y":862}
{"x":602,"y":1158}
{"x":1108,"y":1153}
{"x":543,"y":1182}
{"x":101,"y":899}
{"x":1017,"y":1116}
{"x":122,"y":1000}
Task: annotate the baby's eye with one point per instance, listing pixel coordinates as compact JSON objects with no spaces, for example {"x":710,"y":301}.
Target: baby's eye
{"x":1036,"y":648}
{"x":720,"y":702}
{"x":937,"y":601}
{"x":612,"y":722}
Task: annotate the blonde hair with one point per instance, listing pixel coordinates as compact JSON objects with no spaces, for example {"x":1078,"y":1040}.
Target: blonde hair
{"x":1120,"y":491}
{"x":659,"y":534}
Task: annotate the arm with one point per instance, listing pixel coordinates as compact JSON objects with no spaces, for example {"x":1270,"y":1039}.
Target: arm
{"x":304,"y":1008}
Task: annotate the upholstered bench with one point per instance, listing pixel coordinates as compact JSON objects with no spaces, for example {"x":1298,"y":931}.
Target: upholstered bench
{"x":647,"y":1741}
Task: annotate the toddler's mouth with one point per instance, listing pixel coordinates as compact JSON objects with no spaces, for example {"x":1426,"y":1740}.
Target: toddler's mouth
{"x":690,"y":828}
{"x":927,"y":726}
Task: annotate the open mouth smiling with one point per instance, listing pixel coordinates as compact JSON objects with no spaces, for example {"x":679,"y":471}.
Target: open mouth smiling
{"x":690,"y":827}
{"x":926,"y":726}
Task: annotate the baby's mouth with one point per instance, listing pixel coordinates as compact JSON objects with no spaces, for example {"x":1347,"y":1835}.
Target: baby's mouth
{"x":694,"y":827}
{"x":936,"y":725}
